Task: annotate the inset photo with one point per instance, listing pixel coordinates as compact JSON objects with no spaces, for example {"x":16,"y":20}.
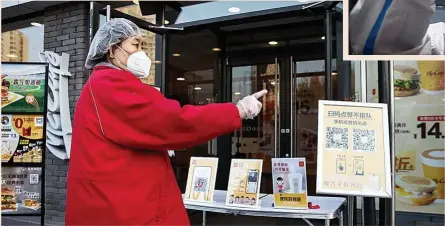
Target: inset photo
{"x":384,"y":29}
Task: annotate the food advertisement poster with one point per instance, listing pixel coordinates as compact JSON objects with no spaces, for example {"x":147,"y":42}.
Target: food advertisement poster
{"x":290,"y":183}
{"x":23,"y":88}
{"x":22,"y":138}
{"x":244,"y":182}
{"x":201,"y":179}
{"x":419,"y":125}
{"x":21,"y":190}
{"x":353,"y":149}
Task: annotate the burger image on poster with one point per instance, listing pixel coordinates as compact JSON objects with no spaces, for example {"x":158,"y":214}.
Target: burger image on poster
{"x":296,"y":180}
{"x":415,"y":190}
{"x":406,"y":79}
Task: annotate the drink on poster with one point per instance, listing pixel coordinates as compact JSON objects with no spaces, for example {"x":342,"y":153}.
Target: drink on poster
{"x":22,"y":138}
{"x":353,"y":149}
{"x":419,"y":138}
{"x":21,"y":190}
{"x":244,"y":182}
{"x":290,"y":183}
{"x":23,"y":88}
{"x":201,"y":179}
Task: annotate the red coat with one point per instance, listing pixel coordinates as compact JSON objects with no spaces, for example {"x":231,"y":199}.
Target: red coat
{"x":120,"y":172}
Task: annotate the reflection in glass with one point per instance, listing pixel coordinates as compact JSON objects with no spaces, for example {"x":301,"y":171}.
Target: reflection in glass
{"x":148,"y":38}
{"x":256,"y":138}
{"x":191,"y":81}
{"x":16,"y":44}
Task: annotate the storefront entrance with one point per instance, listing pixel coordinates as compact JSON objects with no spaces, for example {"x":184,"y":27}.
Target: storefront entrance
{"x":289,"y":53}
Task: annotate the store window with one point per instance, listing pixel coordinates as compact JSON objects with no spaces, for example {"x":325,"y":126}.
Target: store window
{"x":148,"y":38}
{"x":419,"y":132}
{"x":24,"y":44}
{"x":191,"y":76}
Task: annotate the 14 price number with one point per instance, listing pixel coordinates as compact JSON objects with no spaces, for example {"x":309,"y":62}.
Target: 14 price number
{"x":429,"y":131}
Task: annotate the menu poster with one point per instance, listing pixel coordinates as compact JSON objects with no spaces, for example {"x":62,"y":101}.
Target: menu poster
{"x":201,"y":179}
{"x":21,"y":190}
{"x":419,"y":125}
{"x":353,"y":149}
{"x":22,"y":138}
{"x":23,"y":88}
{"x":290,"y":183}
{"x":244,"y":182}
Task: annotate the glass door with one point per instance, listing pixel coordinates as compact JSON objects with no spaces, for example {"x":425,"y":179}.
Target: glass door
{"x":258,"y":137}
{"x":309,"y":86}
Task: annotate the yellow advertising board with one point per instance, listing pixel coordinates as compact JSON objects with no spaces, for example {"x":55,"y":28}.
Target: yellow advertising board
{"x":419,"y":132}
{"x":290,"y":183}
{"x":244,"y":183}
{"x":201,"y":179}
{"x":353,"y":149}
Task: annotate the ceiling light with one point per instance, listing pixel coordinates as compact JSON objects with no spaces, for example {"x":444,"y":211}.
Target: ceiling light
{"x":197,"y":88}
{"x":176,"y":54}
{"x":273,"y":43}
{"x":334,"y":73}
{"x":157,"y":61}
{"x":234,"y":10}
{"x":216,"y":49}
{"x":11,"y":55}
{"x":237,"y":93}
{"x":180,"y":78}
{"x":323,"y":38}
{"x":273,"y":83}
{"x":36,"y":24}
{"x":166,"y":22}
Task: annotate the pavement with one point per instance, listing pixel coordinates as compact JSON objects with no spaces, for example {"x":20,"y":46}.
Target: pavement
{"x":19,"y":221}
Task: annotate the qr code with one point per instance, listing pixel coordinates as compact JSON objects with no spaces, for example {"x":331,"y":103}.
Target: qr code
{"x":251,"y":187}
{"x":200,"y":184}
{"x":33,"y":178}
{"x":38,"y":121}
{"x":337,"y":138}
{"x":363,"y":140}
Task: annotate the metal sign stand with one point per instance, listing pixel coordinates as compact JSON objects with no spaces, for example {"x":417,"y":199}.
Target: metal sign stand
{"x":40,"y":165}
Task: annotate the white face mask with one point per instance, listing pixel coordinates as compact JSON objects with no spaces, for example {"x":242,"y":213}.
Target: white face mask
{"x":138,"y":63}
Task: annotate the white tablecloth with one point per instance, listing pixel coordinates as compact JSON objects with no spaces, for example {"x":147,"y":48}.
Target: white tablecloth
{"x":329,"y":207}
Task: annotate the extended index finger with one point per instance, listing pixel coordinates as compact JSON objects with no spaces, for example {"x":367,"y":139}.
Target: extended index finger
{"x":260,"y":93}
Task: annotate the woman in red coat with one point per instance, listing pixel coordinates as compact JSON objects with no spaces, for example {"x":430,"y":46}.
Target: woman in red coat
{"x":120,"y":172}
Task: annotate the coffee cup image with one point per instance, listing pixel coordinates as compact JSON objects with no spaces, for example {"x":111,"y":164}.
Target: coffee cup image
{"x":295,"y":183}
{"x":433,"y":164}
{"x":415,"y":190}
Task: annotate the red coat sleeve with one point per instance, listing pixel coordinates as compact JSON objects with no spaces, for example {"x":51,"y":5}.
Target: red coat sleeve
{"x":136,"y":115}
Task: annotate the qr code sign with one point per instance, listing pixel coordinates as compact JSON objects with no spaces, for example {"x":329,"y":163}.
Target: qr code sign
{"x":251,"y":187}
{"x":337,"y":138}
{"x":200,"y":184}
{"x":363,"y":140}
{"x":38,"y":121}
{"x":33,"y":178}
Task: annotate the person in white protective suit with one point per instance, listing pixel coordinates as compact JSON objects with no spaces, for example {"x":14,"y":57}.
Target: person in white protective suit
{"x":395,"y":27}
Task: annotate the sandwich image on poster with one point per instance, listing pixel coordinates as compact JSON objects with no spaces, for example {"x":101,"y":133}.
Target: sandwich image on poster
{"x":289,"y":183}
{"x":21,"y":190}
{"x":201,"y":179}
{"x":415,"y":190}
{"x":23,"y":88}
{"x":22,"y":138}
{"x":244,"y":183}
